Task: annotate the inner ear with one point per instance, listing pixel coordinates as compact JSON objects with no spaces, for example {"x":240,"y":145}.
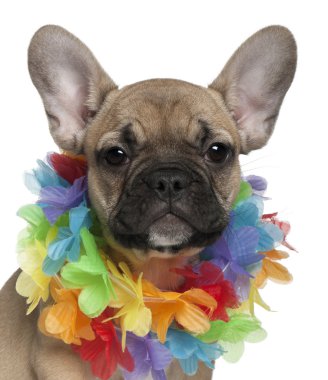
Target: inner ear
{"x":71,"y":82}
{"x":255,"y":81}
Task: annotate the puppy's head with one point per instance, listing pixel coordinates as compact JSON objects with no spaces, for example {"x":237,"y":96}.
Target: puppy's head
{"x":162,"y":154}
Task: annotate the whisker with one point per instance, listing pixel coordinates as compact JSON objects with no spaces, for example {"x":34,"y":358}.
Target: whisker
{"x":257,"y":159}
{"x":260,"y":167}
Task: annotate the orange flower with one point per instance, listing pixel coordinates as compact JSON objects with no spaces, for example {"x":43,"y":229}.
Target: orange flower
{"x":167,"y":306}
{"x":273,"y":270}
{"x":64,"y":320}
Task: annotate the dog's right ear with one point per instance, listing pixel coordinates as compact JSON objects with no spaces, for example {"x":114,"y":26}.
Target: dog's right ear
{"x":71,"y":82}
{"x":254,"y":82}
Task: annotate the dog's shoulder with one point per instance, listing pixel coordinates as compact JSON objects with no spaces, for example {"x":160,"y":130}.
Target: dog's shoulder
{"x":17,"y":330}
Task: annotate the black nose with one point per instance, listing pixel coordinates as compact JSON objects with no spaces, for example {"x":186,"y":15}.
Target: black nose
{"x":168,"y":184}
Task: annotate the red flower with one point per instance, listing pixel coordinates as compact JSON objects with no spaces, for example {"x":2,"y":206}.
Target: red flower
{"x":283,"y":226}
{"x":105,"y":352}
{"x":225,"y":296}
{"x":211,"y":279}
{"x":67,"y":167}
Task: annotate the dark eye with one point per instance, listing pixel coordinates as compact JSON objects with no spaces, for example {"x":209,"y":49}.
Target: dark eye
{"x":116,"y":156}
{"x":218,"y":153}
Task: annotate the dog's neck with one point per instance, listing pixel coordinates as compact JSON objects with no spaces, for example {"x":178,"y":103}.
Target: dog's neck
{"x":155,"y":269}
{"x":159,"y":271}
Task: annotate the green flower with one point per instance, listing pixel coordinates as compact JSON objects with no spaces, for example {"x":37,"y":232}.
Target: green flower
{"x":91,"y":275}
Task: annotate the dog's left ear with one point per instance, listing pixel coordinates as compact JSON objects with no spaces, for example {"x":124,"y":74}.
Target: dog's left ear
{"x":71,"y":82}
{"x":254,"y":82}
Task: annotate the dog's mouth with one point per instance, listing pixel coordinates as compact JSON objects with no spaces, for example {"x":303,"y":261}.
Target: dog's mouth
{"x":169,"y":234}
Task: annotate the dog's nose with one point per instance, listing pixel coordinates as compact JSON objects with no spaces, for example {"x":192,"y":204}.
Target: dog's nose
{"x":168,"y":184}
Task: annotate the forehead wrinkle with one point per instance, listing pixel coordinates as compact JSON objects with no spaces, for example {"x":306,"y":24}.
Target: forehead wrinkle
{"x":136,"y":128}
{"x":108,"y":137}
{"x":139,"y":130}
{"x":223,"y":135}
{"x":197,"y":125}
{"x":190,"y":125}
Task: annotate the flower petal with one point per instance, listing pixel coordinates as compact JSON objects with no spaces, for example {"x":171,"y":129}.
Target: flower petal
{"x":94,"y":298}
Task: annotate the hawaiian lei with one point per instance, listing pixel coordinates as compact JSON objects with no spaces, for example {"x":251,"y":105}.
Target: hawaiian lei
{"x":112,"y":318}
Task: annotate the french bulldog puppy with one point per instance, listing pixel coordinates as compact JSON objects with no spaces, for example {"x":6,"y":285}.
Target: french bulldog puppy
{"x":163,"y":167}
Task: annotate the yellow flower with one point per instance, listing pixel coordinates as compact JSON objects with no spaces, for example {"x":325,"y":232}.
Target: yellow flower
{"x":133,"y":315}
{"x":32,"y":282}
{"x":254,"y":298}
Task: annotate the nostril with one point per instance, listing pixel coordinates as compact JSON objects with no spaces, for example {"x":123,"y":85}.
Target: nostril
{"x":177,"y":186}
{"x":161,"y":186}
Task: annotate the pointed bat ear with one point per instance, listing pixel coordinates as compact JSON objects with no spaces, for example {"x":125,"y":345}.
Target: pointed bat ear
{"x":71,"y":82}
{"x":254,"y":82}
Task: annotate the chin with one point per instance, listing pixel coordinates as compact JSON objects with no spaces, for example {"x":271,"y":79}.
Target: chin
{"x":167,"y":237}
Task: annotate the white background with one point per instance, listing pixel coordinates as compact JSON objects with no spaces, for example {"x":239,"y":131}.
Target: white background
{"x":191,"y":40}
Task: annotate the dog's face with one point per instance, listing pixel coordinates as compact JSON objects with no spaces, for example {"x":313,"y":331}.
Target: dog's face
{"x":163,"y":160}
{"x":162,"y":154}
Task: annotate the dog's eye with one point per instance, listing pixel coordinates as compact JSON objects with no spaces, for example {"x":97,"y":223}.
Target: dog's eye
{"x":218,"y":153}
{"x":116,"y":156}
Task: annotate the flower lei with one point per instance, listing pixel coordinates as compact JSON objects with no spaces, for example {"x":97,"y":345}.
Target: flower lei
{"x":112,"y":318}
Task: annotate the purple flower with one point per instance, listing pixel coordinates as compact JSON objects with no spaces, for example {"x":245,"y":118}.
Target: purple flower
{"x":55,"y":200}
{"x":259,"y":184}
{"x":149,"y":356}
{"x":234,"y":252}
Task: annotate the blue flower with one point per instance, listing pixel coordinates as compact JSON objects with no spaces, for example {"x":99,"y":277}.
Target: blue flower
{"x":189,"y":350}
{"x":66,"y":246}
{"x":249,"y":214}
{"x":41,"y":177}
